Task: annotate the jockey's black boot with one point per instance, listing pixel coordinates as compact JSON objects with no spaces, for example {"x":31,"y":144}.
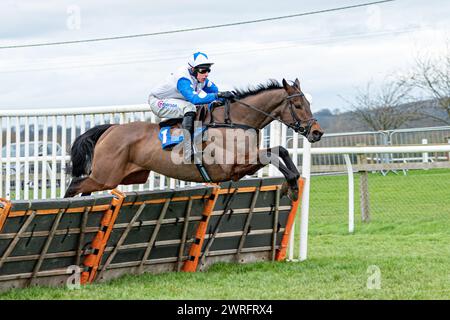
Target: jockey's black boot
{"x":188,"y":125}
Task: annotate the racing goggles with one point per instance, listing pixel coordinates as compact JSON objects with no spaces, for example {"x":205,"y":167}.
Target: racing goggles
{"x":203,"y":70}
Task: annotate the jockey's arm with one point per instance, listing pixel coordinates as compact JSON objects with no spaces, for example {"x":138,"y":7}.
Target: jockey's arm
{"x":185,"y":88}
{"x":210,"y":87}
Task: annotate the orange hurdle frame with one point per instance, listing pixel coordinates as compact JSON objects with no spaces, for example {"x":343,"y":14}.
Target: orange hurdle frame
{"x":281,"y":252}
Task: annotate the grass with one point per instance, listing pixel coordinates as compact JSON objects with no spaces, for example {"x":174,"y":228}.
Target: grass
{"x":408,"y":241}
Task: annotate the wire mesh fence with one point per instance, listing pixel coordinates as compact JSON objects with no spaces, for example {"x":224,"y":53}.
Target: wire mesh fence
{"x":396,"y":198}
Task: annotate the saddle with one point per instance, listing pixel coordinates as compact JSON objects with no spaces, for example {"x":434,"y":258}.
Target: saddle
{"x":170,"y":133}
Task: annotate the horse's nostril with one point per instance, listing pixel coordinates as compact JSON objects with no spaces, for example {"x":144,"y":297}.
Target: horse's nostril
{"x":317,"y":134}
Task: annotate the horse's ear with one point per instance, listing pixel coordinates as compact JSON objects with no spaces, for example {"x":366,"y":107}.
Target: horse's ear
{"x":297,"y":83}
{"x":285,"y":84}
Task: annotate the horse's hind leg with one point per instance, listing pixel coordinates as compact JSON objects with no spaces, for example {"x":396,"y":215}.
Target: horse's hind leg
{"x":90,"y":185}
{"x":85,"y":186}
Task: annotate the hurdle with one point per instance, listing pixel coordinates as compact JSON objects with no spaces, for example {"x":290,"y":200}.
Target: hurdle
{"x":41,"y":239}
{"x":102,"y":237}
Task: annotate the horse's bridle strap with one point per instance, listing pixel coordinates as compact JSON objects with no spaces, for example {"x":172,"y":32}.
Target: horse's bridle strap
{"x":296,"y":126}
{"x":261,"y":111}
{"x":303,"y":130}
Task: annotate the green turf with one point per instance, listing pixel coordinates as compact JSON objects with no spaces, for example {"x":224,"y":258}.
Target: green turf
{"x":408,"y":240}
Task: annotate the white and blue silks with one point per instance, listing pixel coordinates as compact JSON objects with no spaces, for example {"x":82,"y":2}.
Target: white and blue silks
{"x":179,"y":94}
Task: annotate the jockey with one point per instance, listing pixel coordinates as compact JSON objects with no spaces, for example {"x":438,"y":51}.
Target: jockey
{"x":189,"y":86}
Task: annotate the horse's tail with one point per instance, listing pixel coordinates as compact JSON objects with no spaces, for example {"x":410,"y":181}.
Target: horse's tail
{"x":83,"y":150}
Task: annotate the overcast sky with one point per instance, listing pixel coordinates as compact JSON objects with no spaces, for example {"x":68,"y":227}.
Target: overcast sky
{"x":331,"y":53}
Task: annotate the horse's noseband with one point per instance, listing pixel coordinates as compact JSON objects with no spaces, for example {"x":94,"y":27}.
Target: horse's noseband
{"x":297,"y":124}
{"x":304,"y":130}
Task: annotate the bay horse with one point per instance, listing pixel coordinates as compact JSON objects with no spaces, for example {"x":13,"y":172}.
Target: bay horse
{"x":108,"y":155}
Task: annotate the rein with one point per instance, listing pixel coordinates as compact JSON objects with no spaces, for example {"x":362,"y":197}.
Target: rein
{"x":296,"y":125}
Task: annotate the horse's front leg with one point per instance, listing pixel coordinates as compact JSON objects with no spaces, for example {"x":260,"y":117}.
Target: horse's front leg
{"x":271,"y":155}
{"x":265,"y":157}
{"x":284,"y":155}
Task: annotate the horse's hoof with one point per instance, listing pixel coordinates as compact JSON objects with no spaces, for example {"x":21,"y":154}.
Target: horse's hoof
{"x":293,"y":195}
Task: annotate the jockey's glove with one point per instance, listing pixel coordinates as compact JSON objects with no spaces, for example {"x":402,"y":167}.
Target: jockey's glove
{"x":226,"y":95}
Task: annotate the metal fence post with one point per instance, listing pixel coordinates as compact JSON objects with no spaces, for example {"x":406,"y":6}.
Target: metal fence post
{"x":364,"y":191}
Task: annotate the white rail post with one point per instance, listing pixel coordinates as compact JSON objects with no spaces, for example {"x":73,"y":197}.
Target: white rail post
{"x":351,"y":194}
{"x":141,"y":116}
{"x":295,"y":160}
{"x":262,"y":135}
{"x":304,"y":218}
{"x":62,"y":181}
{"x":26,"y":187}
{"x":53,"y":159}
{"x":44,"y":159}
{"x":448,"y":140}
{"x":425,"y":157}
{"x":275,"y":135}
{"x":18,"y":154}
{"x":8,"y":159}
{"x":35,"y":155}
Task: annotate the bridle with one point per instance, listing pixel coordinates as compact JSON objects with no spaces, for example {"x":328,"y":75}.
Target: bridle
{"x":296,"y":125}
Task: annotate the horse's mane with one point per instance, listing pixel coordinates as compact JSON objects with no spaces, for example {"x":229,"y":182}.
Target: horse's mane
{"x":270,"y":85}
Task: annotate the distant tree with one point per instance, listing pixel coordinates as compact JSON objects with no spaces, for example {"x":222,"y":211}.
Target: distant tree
{"x":432,"y":76}
{"x":323,"y":113}
{"x":385,"y":109}
{"x":336,"y":111}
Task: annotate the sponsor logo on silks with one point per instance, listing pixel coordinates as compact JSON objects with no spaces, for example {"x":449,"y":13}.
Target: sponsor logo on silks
{"x":162,"y":104}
